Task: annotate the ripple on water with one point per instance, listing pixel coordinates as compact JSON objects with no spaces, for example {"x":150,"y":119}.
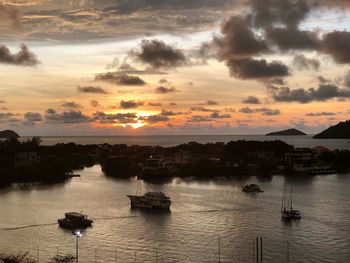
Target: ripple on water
{"x":201,"y":212}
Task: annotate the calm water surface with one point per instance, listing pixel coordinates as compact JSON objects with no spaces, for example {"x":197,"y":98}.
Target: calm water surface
{"x":201,"y":212}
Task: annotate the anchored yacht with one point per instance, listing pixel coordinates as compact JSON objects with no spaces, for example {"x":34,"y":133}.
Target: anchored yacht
{"x":150,"y":200}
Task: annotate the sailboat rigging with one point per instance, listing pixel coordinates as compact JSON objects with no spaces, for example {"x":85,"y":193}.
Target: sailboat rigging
{"x":288,"y":212}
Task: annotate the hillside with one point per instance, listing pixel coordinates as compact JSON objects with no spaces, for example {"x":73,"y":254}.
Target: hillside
{"x":289,"y":132}
{"x":8,"y":134}
{"x":338,"y":131}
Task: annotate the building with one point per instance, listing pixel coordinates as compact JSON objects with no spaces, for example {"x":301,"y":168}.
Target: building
{"x":182,"y":158}
{"x":261,"y":156}
{"x":300,"y":157}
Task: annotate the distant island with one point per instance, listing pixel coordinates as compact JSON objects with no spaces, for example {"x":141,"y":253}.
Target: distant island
{"x":339,"y":131}
{"x":289,"y":132}
{"x":8,"y":134}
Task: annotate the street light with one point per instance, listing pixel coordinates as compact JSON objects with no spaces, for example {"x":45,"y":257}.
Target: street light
{"x":77,"y":233}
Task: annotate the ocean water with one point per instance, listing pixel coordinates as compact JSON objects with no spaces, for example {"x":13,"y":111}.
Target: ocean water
{"x":173,"y":140}
{"x":201,"y":212}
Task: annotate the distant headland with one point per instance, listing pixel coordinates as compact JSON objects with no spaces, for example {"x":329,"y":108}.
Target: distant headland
{"x":338,"y":131}
{"x":8,"y":134}
{"x":288,"y":132}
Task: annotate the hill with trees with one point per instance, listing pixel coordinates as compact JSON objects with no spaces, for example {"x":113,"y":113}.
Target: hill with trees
{"x":338,"y":131}
{"x":8,"y":134}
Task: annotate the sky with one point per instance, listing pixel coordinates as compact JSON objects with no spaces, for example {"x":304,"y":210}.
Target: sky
{"x":165,"y":67}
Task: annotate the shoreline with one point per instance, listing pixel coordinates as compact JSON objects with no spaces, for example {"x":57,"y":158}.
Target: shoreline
{"x":30,"y":162}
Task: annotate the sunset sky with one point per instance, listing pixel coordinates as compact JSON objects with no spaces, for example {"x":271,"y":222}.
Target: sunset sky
{"x":148,"y":67}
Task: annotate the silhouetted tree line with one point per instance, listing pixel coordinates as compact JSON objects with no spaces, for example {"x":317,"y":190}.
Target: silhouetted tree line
{"x":54,"y":164}
{"x":209,"y":160}
{"x":340,"y":159}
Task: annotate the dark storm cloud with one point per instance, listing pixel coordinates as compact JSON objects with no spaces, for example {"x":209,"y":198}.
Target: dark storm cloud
{"x":263,"y":111}
{"x":117,"y":118}
{"x":23,"y":58}
{"x":70,"y":104}
{"x":203,"y":109}
{"x":212,"y":117}
{"x":251,"y":100}
{"x":238,"y":40}
{"x":164,"y":90}
{"x":271,"y":12}
{"x":323,"y":93}
{"x":268,"y":24}
{"x":302,"y":62}
{"x":156,"y":118}
{"x":336,"y":44}
{"x":130,"y":104}
{"x":323,"y":80}
{"x":33,"y":117}
{"x":120,"y":79}
{"x":292,"y":38}
{"x":217,"y":115}
{"x":50,"y":111}
{"x":317,"y":114}
{"x":248,"y":68}
{"x":69,"y":117}
{"x":11,"y":15}
{"x":170,"y":113}
{"x":91,"y":89}
{"x":158,"y":54}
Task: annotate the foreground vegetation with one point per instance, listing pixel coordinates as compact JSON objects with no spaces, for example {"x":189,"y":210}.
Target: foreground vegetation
{"x":24,"y":258}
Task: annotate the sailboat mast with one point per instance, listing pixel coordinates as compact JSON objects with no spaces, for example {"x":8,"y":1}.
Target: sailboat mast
{"x":138,"y":189}
{"x":291,"y":198}
{"x":283,"y":205}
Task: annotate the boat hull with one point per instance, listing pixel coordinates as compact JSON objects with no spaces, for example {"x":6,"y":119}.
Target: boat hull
{"x":68,"y":224}
{"x":143,"y":203}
